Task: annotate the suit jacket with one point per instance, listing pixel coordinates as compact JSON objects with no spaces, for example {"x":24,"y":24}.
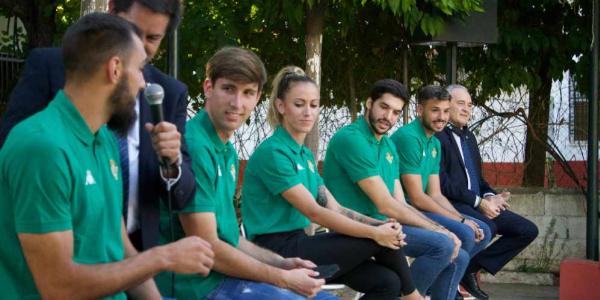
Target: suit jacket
{"x":453,"y":175}
{"x":44,"y":76}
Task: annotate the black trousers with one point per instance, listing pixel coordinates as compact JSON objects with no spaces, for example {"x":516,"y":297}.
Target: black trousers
{"x":516,"y":234}
{"x":365,"y":266}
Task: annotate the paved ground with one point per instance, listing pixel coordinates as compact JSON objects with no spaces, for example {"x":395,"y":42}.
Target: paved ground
{"x":503,"y":291}
{"x":499,"y":291}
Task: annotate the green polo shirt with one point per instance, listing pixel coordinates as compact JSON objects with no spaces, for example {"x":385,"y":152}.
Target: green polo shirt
{"x":354,"y":154}
{"x":56,"y":175}
{"x":418,"y":153}
{"x":215,"y":165}
{"x":278,"y":164}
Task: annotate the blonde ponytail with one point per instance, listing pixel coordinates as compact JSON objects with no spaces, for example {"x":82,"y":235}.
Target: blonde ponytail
{"x":280,"y":86}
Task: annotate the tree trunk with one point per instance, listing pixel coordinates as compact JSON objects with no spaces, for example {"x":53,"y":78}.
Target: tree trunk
{"x":405,"y":81}
{"x":537,"y":131}
{"x":38,"y":20}
{"x":89,"y":6}
{"x":315,"y":15}
{"x":352,"y":86}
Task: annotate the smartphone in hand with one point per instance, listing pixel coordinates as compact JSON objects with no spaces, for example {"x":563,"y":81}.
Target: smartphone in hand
{"x":326,"y":271}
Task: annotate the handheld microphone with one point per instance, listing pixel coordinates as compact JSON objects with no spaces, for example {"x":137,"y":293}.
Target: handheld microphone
{"x":154,"y":95}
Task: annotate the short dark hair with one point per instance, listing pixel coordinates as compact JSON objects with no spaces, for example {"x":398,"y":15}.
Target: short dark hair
{"x":389,"y":86}
{"x":93,"y":39}
{"x":237,"y":64}
{"x":432,"y":92}
{"x":172,"y":8}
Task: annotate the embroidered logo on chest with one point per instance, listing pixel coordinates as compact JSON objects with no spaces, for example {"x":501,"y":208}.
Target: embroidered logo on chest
{"x":232,"y":170}
{"x":389,"y":157}
{"x":434,"y":153}
{"x":310,"y":166}
{"x":114,"y":169}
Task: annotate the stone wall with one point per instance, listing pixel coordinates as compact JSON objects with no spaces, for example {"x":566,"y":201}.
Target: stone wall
{"x":560,"y":215}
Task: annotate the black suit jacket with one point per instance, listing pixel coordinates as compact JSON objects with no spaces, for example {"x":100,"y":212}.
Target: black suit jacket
{"x":453,"y":176}
{"x":44,"y":76}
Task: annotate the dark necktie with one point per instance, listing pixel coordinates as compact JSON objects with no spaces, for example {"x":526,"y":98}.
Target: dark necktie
{"x":124,"y":155}
{"x":469,"y":163}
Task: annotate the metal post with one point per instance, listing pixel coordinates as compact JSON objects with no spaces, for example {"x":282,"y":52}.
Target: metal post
{"x":451,"y":49}
{"x":406,"y":83}
{"x":173,"y":54}
{"x":592,"y":165}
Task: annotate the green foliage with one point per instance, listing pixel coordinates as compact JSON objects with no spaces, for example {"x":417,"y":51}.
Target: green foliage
{"x":537,"y":39}
{"x":362,"y":40}
{"x":12,"y":38}
{"x":365,"y":38}
{"x":66,"y":13}
{"x":52,"y":16}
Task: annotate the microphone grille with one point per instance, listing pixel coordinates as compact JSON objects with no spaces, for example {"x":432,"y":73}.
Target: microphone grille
{"x":154,"y":94}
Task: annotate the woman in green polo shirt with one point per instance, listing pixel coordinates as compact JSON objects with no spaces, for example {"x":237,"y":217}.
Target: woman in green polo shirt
{"x":283,"y":192}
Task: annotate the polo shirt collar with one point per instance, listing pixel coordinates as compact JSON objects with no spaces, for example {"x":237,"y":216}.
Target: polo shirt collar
{"x":364,"y":127}
{"x":209,"y":128}
{"x":418,"y":124}
{"x":457,"y":130}
{"x":73,"y":118}
{"x":285,"y":137}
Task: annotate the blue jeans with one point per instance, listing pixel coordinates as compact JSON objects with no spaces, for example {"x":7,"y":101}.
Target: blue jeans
{"x":432,"y":267}
{"x":464,"y":232}
{"x":234,"y":288}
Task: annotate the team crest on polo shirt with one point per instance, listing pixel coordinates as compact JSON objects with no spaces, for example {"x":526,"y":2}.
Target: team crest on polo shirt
{"x":232,"y":170}
{"x":219,"y":171}
{"x":311,"y":166}
{"x":389,"y":157}
{"x":434,"y":153}
{"x":114,"y":169}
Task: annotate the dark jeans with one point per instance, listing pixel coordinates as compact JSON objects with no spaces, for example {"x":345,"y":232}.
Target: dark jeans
{"x":365,"y":266}
{"x":517,"y":233}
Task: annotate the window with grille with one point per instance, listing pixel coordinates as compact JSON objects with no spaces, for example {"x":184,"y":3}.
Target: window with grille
{"x":578,"y":125}
{"x":10,"y":68}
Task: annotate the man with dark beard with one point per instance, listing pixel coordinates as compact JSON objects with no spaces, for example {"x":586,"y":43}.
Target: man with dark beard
{"x":419,"y":154}
{"x":60,"y":183}
{"x":361,"y":171}
{"x":143,"y":147}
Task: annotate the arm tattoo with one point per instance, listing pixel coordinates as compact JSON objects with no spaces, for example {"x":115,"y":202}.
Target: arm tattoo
{"x":322,"y":200}
{"x":322,"y":196}
{"x":359,"y":217}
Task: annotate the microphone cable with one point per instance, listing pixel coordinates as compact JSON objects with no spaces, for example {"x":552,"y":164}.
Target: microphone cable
{"x":170,"y":182}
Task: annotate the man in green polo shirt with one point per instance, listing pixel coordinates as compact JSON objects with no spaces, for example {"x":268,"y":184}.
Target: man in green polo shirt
{"x":361,"y":171}
{"x":60,"y":183}
{"x":233,"y":85}
{"x":419,"y":153}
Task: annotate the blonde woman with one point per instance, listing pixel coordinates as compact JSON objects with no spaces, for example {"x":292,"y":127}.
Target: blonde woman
{"x":283,"y":192}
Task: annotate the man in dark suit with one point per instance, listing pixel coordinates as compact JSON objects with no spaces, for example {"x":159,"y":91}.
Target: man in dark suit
{"x":144,"y":185}
{"x":463,"y":184}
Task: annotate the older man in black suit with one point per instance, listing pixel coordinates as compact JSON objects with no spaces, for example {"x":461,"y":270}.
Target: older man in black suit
{"x":463,"y":184}
{"x":144,"y":185}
